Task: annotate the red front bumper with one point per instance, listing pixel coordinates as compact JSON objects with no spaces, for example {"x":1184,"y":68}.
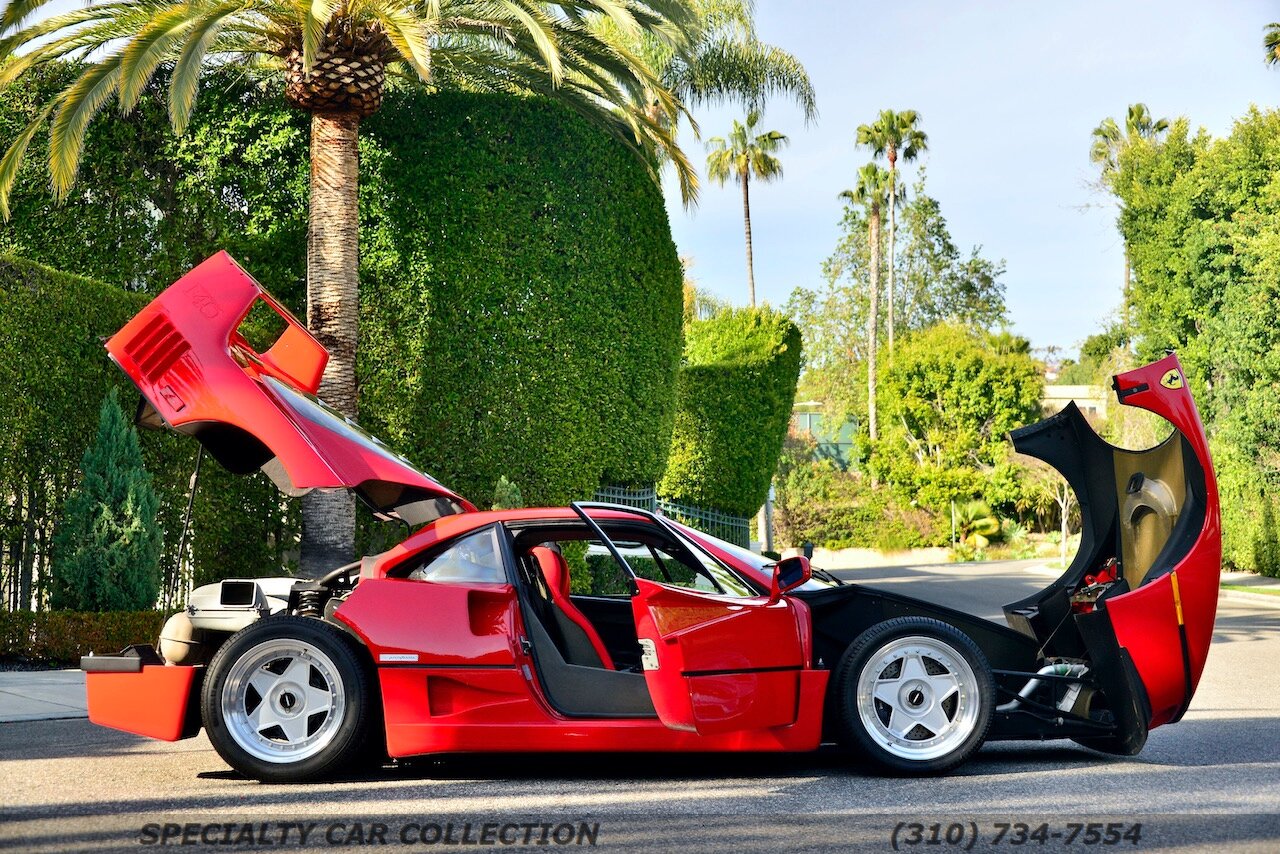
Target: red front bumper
{"x":158,"y":701}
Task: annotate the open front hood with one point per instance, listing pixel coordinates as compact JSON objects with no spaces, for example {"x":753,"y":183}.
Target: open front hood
{"x":254,"y":410}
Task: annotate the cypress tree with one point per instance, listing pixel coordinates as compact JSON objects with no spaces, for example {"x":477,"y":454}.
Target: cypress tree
{"x":506,"y":495}
{"x":106,"y":550}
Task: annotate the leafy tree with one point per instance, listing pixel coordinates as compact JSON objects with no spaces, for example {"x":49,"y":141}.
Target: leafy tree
{"x":872,"y":194}
{"x":1201,"y":219}
{"x":951,"y":397}
{"x":334,"y":60}
{"x":891,"y":136}
{"x":743,"y":155}
{"x":106,"y":552}
{"x":1044,"y":490}
{"x":1110,"y":142}
{"x":936,"y":283}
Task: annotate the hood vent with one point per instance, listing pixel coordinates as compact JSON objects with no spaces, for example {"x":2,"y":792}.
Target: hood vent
{"x":157,"y":347}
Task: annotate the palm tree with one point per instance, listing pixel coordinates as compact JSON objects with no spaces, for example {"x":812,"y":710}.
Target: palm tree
{"x":726,"y":63}
{"x":1271,"y":43}
{"x":745,"y":154}
{"x":1109,"y":144}
{"x":872,"y":193}
{"x":891,"y":136}
{"x":334,"y":59}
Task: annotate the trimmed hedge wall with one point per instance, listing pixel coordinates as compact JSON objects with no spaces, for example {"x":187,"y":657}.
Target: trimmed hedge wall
{"x":54,"y":373}
{"x":736,"y":389}
{"x":521,"y":298}
{"x":61,"y":637}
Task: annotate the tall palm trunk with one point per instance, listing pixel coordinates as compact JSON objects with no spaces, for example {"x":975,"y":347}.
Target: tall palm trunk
{"x":893,"y":222}
{"x":873,"y":324}
{"x":328,"y":518}
{"x":746,"y":219}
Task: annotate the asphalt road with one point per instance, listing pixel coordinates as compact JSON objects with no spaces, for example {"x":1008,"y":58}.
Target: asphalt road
{"x":1209,"y":782}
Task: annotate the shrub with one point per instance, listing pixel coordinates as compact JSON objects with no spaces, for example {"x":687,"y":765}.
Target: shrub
{"x":820,"y":503}
{"x":1266,"y":544}
{"x":521,"y":297}
{"x":506,"y":495}
{"x":948,"y":401}
{"x":61,"y":637}
{"x":106,"y":553}
{"x":735,"y":392}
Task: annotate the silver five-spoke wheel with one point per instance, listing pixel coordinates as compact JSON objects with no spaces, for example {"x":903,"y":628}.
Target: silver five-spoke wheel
{"x":289,"y":699}
{"x":918,"y":696}
{"x":915,"y":695}
{"x":283,"y":700}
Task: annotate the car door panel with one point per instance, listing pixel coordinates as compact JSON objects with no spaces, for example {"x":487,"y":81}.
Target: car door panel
{"x":718,"y":663}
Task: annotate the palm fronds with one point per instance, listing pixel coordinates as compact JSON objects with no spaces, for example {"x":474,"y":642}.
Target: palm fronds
{"x":551,"y":47}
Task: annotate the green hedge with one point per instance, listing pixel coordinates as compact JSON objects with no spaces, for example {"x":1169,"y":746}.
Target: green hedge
{"x":521,"y":298}
{"x":521,"y":301}
{"x":521,"y":294}
{"x":54,"y":373}
{"x":818,"y":502}
{"x":61,"y":637}
{"x":735,"y":392}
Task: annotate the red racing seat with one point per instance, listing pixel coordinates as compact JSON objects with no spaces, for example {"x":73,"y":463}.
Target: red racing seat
{"x":584,"y":645}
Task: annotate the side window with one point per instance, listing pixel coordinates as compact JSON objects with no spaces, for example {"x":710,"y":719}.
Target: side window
{"x":474,"y":558}
{"x":667,"y":565}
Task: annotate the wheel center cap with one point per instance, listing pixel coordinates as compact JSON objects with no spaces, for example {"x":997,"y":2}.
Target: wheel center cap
{"x":287,"y":700}
{"x":915,"y":696}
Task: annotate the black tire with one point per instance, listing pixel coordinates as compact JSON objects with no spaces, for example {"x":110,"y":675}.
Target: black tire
{"x":924,"y":726}
{"x":316,"y":713}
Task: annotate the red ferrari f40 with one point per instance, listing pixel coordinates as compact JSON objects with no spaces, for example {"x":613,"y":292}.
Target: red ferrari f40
{"x":598,"y":627}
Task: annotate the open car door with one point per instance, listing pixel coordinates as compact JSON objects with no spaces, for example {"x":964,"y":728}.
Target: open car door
{"x":714,"y":662}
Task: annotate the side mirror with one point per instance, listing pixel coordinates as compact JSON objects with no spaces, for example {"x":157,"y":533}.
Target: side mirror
{"x":788,"y":575}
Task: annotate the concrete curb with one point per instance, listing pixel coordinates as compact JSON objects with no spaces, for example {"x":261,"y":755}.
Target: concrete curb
{"x":1265,"y":600}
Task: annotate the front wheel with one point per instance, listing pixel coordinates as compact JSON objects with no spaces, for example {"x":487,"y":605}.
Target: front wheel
{"x":287,"y":700}
{"x":915,"y":695}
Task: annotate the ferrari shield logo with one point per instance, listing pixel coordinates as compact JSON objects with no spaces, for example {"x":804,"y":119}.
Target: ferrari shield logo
{"x":1173,"y":379}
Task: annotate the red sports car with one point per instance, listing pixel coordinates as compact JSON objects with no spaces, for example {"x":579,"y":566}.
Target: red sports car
{"x":469,"y":636}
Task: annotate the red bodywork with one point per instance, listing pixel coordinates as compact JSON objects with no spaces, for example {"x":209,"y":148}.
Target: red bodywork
{"x":453,"y":659}
{"x":472,"y":687}
{"x":1176,"y":611}
{"x":187,"y":356}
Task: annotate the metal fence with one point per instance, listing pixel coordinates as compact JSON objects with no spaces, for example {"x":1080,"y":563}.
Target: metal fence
{"x":726,"y":526}
{"x":643,"y":497}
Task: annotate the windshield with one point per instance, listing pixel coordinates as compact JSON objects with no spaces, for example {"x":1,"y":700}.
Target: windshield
{"x":820,"y":579}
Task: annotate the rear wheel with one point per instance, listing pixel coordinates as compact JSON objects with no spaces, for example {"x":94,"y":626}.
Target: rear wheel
{"x":915,"y":696}
{"x":287,"y":699}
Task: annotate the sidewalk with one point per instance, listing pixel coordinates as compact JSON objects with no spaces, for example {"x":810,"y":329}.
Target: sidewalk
{"x":1260,"y":590}
{"x":41,"y":695}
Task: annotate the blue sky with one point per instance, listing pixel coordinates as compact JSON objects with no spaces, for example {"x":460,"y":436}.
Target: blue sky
{"x":1008,"y":93}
